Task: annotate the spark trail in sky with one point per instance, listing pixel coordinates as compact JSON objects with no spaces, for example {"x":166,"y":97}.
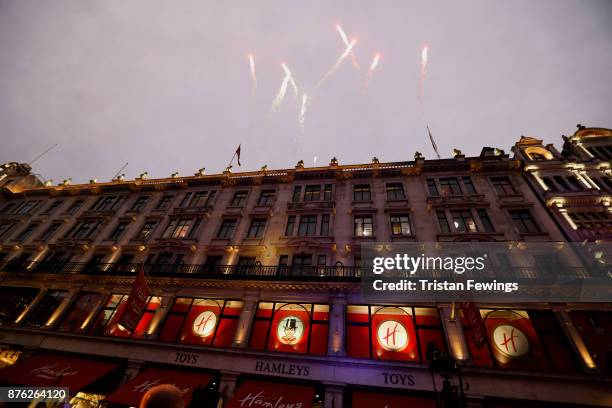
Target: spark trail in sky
{"x":346,"y":43}
{"x":370,"y":72}
{"x":339,"y":62}
{"x":424,"y":62}
{"x":302,"y":116}
{"x":287,"y":79}
{"x":253,"y":76}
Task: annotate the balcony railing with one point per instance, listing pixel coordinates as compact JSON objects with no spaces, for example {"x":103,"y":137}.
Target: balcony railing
{"x":203,"y":271}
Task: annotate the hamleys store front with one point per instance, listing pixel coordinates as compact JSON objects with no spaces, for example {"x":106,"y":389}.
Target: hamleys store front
{"x":294,"y":353}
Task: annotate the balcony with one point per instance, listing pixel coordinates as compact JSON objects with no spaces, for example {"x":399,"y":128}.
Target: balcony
{"x":202,"y":271}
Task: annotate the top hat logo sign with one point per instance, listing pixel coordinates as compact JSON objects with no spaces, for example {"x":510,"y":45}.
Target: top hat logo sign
{"x":204,"y":324}
{"x":290,"y":330}
{"x":392,"y":335}
{"x":510,"y":341}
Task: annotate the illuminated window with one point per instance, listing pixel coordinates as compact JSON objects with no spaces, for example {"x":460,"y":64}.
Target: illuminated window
{"x":177,"y":228}
{"x":392,"y":332}
{"x":203,"y":322}
{"x":400,"y":225}
{"x":363,"y":226}
{"x":463,"y":221}
{"x":146,"y":231}
{"x":107,"y":322}
{"x":291,"y":328}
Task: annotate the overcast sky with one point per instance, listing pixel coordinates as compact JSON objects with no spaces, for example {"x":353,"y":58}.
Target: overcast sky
{"x":165,"y":85}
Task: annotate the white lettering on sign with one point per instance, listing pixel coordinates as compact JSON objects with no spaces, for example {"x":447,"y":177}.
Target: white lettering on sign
{"x":52,"y":372}
{"x":392,"y":335}
{"x":259,"y":400}
{"x":141,"y":388}
{"x":510,"y":341}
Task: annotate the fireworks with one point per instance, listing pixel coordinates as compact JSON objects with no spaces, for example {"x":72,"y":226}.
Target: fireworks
{"x":302,"y":116}
{"x":339,"y":62}
{"x":287,"y":79}
{"x":424,"y":62}
{"x":346,"y":44}
{"x":370,"y":72}
{"x":253,"y":76}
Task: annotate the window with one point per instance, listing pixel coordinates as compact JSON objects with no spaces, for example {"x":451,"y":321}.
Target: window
{"x":13,"y":301}
{"x":327,"y":192}
{"x":227,"y":229}
{"x":576,"y":185}
{"x":164,"y":202}
{"x":363,"y":226}
{"x":536,"y":156}
{"x":106,"y":203}
{"x":107,"y":322}
{"x":549,"y":183}
{"x":203,"y":322}
{"x":27,"y":207}
{"x":463,"y":221}
{"x":361,"y":192}
{"x":502,"y":185}
{"x":119,"y":230}
{"x":199,"y":199}
{"x":297,"y":192}
{"x":392,"y":332}
{"x":469,"y":186}
{"x":266,"y":197}
{"x":25,"y":234}
{"x":561,"y":183}
{"x":256,"y":230}
{"x":308,"y":225}
{"x":239,"y":199}
{"x":146,"y":231}
{"x":212,"y":263}
{"x":312,"y":193}
{"x":5,"y":229}
{"x":7,"y":209}
{"x":186,"y":198}
{"x":324,"y":225}
{"x":450,"y":186}
{"x":80,"y":313}
{"x":140,"y":203}
{"x":290,"y":226}
{"x":400,"y":225}
{"x":301,"y":260}
{"x":443,"y":222}
{"x":177,"y":228}
{"x":432,"y":188}
{"x":290,"y":328}
{"x":523,"y":221}
{"x":76,"y":205}
{"x":485,"y":220}
{"x":211,"y":197}
{"x":283,"y":260}
{"x":395,"y":191}
{"x":84,"y":229}
{"x":45,"y":309}
{"x":49,"y":232}
{"x":591,"y":220}
{"x":53,"y":207}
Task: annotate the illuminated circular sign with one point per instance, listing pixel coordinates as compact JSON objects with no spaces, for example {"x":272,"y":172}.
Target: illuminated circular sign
{"x":290,"y":330}
{"x":204,"y":324}
{"x":510,"y":341}
{"x":392,"y":335}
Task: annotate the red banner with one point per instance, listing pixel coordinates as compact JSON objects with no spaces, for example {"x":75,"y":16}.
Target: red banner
{"x":385,"y":400}
{"x":135,"y":303}
{"x":271,"y":394}
{"x":476,"y":324}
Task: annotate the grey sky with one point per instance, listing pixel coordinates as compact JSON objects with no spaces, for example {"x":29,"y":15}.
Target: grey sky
{"x":165,"y":84}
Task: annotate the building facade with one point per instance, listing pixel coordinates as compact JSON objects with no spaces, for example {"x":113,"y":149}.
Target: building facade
{"x":254,"y":282}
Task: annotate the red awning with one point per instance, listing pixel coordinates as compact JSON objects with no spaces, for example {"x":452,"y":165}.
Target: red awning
{"x":49,"y":370}
{"x":132,"y":392}
{"x":382,"y":400}
{"x":261,"y":393}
